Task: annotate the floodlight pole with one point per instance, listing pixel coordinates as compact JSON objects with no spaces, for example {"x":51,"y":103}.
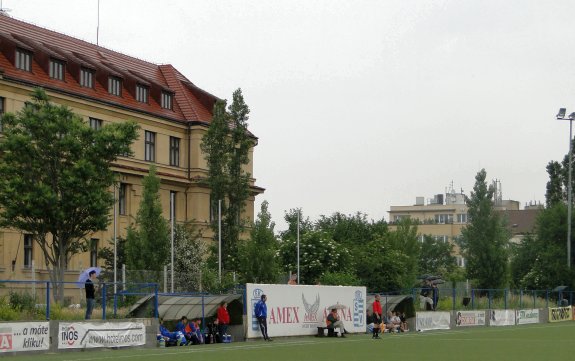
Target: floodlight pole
{"x":569,"y":194}
{"x":298,"y":211}
{"x":571,"y":117}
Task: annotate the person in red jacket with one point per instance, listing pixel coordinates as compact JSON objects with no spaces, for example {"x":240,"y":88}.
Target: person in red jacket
{"x":377,"y":311}
{"x":223,"y":319}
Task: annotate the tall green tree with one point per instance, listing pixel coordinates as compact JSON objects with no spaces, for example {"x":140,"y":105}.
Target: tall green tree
{"x":484,"y":241}
{"x":259,"y":261}
{"x":436,"y":257}
{"x":554,"y":190}
{"x":148,"y":242}
{"x":226,"y":147}
{"x":56,"y":178}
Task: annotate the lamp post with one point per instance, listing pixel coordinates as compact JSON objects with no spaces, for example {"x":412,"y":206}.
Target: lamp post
{"x":561,"y":115}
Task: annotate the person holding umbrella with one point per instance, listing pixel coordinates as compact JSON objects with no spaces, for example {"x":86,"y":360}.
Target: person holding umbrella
{"x":334,"y":321}
{"x":90,"y":294}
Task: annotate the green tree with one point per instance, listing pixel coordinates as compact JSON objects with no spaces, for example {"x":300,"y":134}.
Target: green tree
{"x":554,"y":190}
{"x":107,"y":254}
{"x":226,"y":146}
{"x":404,"y":240}
{"x":291,"y":217}
{"x":148,"y":242}
{"x":56,"y":178}
{"x":189,"y":261}
{"x":484,"y":241}
{"x":258,"y":259}
{"x":436,"y":257}
{"x":318,"y":254}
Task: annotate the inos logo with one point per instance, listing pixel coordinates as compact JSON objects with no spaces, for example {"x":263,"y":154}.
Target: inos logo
{"x":310,"y":309}
{"x":68,"y":335}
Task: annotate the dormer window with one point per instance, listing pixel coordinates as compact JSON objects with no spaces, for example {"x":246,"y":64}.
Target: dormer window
{"x":142,"y":92}
{"x":23,"y":60}
{"x":115,"y":86}
{"x":86,"y":78}
{"x":56,"y":69}
{"x":167,"y":100}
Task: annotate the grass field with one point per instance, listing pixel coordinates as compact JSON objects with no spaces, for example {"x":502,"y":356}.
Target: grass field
{"x":529,"y":342}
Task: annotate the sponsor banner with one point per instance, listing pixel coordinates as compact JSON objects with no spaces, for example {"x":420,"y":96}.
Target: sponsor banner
{"x":425,"y":321}
{"x":524,"y":317}
{"x":24,"y":336}
{"x":298,"y":310}
{"x":559,"y":314}
{"x":501,"y":317}
{"x":108,"y":334}
{"x":470,"y":318}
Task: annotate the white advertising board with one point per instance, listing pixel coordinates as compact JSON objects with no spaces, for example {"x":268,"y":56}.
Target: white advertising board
{"x":502,"y":318}
{"x":470,"y":318}
{"x":295,"y":310}
{"x":425,"y":321}
{"x":108,"y":334}
{"x":24,"y":336}
{"x":524,"y":317}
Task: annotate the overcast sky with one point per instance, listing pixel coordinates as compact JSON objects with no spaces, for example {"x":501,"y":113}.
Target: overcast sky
{"x":361,"y":105}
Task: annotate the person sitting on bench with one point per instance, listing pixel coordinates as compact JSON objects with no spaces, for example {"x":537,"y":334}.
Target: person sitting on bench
{"x":333,"y":321}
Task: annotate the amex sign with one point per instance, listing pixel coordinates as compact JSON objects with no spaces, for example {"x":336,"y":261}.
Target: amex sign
{"x":298,"y":310}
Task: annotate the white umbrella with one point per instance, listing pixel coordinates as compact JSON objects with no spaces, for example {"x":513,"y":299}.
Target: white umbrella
{"x":84,"y":275}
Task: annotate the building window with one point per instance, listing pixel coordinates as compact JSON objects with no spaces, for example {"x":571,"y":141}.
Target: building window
{"x":56,"y":69}
{"x":95,"y":124}
{"x":115,"y":86}
{"x":86,"y":78}
{"x":460,"y":261}
{"x":175,"y":151}
{"x":1,"y":112}
{"x":23,"y":60}
{"x":28,"y":250}
{"x":440,"y":238}
{"x":142,"y":92}
{"x":93,"y":252}
{"x":462,"y":218}
{"x":122,"y":202}
{"x":167,"y":100}
{"x":444,"y":218}
{"x":150,"y":146}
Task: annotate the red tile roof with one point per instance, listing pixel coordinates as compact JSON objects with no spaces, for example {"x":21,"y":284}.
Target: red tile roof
{"x":190,"y":103}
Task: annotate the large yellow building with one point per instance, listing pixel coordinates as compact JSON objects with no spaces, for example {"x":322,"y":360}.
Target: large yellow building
{"x":445,"y":215}
{"x":104,"y":86}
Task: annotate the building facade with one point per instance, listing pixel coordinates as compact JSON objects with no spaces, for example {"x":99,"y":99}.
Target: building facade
{"x":445,"y":215}
{"x":104,"y":86}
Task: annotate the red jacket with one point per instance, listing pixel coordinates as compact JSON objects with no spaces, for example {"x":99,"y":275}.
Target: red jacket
{"x":377,"y":307}
{"x":223,"y":315}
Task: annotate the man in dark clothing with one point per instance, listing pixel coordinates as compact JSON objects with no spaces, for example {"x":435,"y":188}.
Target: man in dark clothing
{"x":90,"y":294}
{"x":261,"y":313}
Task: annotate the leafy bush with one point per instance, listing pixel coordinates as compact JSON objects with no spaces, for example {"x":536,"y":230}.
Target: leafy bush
{"x":7,"y":313}
{"x":22,"y":301}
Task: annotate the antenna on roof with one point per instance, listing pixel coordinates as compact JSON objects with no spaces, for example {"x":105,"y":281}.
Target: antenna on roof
{"x":3,"y":10}
{"x":98,"y":26}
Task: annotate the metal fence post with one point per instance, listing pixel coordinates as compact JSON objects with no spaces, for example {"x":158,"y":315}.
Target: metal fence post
{"x":203,"y":315}
{"x":505,"y":297}
{"x":47,"y":301}
{"x":520,"y":298}
{"x":473,"y":298}
{"x":104,"y":302}
{"x":454,"y":296}
{"x":156,"y":311}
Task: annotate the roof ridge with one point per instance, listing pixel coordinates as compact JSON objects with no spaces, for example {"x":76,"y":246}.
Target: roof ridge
{"x":97,"y":47}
